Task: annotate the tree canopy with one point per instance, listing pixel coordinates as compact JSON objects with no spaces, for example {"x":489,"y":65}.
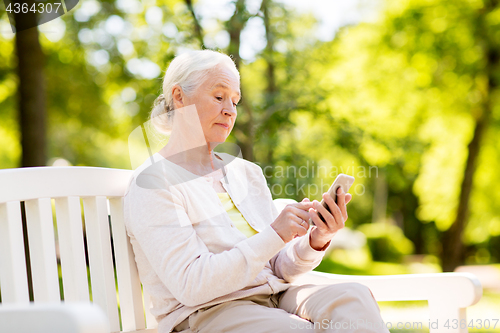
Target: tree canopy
{"x":408,"y":103}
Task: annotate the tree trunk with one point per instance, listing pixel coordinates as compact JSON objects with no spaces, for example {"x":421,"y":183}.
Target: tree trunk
{"x":453,"y":248}
{"x":244,"y":127}
{"x":198,"y":31}
{"x":32,"y":108}
{"x":271,"y":88}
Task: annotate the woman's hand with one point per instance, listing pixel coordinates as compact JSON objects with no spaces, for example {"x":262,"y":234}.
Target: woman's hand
{"x":293,"y":220}
{"x":323,"y":232}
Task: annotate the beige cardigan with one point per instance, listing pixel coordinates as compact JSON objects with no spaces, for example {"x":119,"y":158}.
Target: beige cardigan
{"x":188,"y":252}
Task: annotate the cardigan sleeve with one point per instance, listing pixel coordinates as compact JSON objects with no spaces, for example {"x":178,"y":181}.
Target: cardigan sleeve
{"x":297,"y":257}
{"x":161,"y":227}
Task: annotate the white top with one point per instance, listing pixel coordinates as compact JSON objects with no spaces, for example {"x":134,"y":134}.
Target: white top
{"x":187,"y":253}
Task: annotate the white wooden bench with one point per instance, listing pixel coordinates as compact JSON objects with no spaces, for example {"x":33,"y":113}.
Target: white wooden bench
{"x":123,"y":307}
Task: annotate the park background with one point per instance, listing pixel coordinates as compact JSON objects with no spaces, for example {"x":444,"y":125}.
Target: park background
{"x":401,"y":94}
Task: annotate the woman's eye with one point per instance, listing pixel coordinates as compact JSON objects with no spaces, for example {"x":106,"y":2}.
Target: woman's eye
{"x":235,"y":104}
{"x":218,"y":98}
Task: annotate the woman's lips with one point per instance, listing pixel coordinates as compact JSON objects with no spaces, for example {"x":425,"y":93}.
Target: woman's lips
{"x":223,"y":125}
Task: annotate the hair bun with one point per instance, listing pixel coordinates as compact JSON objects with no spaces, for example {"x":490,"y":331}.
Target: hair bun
{"x":161,"y":100}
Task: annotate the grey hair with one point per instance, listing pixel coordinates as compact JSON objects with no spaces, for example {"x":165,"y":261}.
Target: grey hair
{"x":188,"y":70}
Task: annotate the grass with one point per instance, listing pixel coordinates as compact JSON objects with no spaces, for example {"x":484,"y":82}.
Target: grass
{"x":374,"y":268}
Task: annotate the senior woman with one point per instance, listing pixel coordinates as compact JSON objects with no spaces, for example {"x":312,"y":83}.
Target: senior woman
{"x":210,"y":246}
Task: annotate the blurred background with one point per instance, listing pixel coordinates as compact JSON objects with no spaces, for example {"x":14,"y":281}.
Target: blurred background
{"x":401,"y":94}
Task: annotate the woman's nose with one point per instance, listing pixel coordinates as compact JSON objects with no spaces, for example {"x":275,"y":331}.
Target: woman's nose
{"x":229,"y":109}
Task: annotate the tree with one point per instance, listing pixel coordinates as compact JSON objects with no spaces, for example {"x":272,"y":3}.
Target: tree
{"x":31,"y":90}
{"x":244,"y":127}
{"x":487,"y":81}
{"x":426,"y":71}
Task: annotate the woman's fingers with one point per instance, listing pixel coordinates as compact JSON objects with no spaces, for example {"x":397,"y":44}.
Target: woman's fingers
{"x":334,"y":209}
{"x":290,"y":223}
{"x":299,"y":226}
{"x":294,"y":219}
{"x":348,"y":198}
{"x":305,"y":226}
{"x":329,"y":219}
{"x":301,"y":213}
{"x":304,"y":205}
{"x":299,"y":216}
{"x":317,"y":220}
{"x":341,"y":197}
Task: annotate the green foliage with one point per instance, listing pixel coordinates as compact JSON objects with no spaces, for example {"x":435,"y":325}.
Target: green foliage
{"x":330,"y":265}
{"x":397,"y":96}
{"x":386,"y":242}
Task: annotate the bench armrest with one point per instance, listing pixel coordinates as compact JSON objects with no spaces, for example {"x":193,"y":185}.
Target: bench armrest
{"x":448,"y":294}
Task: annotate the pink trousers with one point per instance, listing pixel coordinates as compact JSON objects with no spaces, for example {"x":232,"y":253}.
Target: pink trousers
{"x":344,"y":307}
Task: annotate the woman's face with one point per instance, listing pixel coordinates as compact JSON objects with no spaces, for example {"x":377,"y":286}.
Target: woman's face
{"x":215,"y":100}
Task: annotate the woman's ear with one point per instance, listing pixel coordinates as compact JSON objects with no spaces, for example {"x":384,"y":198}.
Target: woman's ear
{"x":177,"y":96}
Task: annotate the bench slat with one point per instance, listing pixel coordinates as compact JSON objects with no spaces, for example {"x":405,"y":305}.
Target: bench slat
{"x":129,"y":286}
{"x":71,"y":249}
{"x":100,"y":259}
{"x":13,"y":275}
{"x":42,"y":250}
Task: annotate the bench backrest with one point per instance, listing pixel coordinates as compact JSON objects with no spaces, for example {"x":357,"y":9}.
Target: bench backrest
{"x":51,"y":201}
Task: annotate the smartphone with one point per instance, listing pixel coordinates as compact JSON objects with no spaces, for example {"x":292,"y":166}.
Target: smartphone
{"x":343,"y":181}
